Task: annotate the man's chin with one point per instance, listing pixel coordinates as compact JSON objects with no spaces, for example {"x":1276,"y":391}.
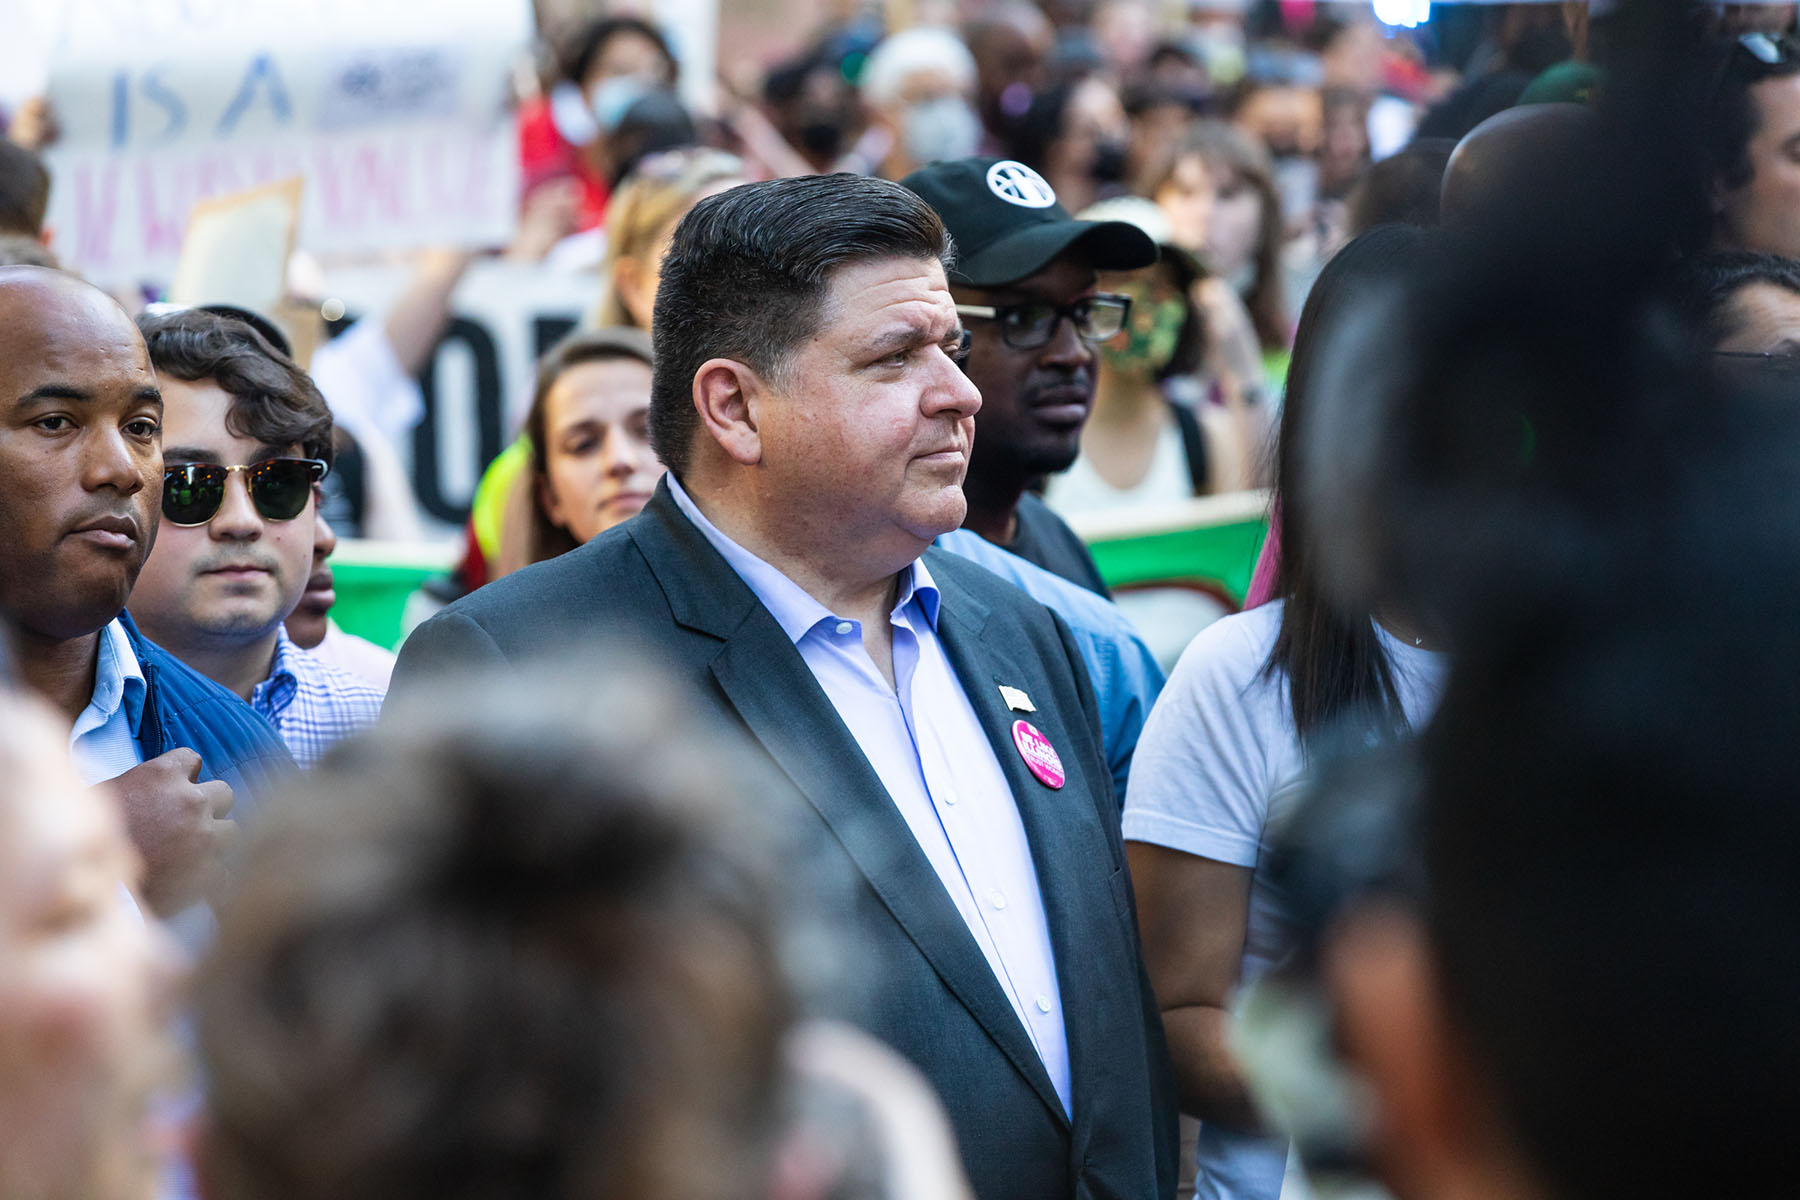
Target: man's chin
{"x":62,"y":616}
{"x":940,"y":515}
{"x":1052,"y":460}
{"x":1045,"y":454}
{"x":245,"y":623}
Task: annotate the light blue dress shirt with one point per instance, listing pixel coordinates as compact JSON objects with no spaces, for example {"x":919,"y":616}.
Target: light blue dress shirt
{"x":103,"y":741}
{"x":312,"y":704}
{"x":926,"y":745}
{"x":1125,"y":675}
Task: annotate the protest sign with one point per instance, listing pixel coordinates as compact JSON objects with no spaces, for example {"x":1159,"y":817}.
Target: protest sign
{"x":477,"y":384}
{"x":1176,"y":568}
{"x":393,"y":112}
{"x":237,"y":246}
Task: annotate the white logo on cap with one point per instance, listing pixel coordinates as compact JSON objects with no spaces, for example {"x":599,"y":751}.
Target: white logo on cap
{"x":1016,"y":183}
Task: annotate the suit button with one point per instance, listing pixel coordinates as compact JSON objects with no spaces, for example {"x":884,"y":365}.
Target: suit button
{"x":1043,"y":1004}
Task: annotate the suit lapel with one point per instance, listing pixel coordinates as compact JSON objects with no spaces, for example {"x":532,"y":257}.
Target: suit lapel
{"x":774,"y":693}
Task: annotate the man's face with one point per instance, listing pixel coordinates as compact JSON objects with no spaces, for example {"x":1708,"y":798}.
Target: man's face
{"x":310,"y":620}
{"x":80,"y":455}
{"x":235,"y":578}
{"x":1009,"y":63}
{"x":1764,"y":319}
{"x":1033,"y":402}
{"x":1764,"y":214}
{"x":865,"y":430}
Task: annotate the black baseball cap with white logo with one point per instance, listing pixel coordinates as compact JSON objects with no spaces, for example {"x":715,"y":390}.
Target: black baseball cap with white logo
{"x":1008,"y":224}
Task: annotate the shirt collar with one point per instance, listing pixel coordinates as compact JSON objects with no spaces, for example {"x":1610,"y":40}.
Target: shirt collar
{"x":118,"y":677}
{"x":793,"y":608}
{"x":273,"y":694}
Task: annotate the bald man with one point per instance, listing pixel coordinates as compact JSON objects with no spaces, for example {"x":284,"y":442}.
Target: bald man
{"x":1523,"y":152}
{"x":80,"y":491}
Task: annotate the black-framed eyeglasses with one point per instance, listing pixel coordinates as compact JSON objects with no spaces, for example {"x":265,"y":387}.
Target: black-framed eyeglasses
{"x":1028,"y":326}
{"x":278,"y":487}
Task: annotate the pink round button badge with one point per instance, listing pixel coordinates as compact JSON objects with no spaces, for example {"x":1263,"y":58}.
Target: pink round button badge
{"x":1039,"y":755}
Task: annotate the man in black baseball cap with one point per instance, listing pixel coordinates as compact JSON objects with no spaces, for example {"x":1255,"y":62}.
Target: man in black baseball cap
{"x":1024,"y":285}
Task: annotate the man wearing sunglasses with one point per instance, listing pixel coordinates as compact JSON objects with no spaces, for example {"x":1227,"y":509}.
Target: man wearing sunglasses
{"x":1025,"y":286}
{"x":1751,"y":131}
{"x":246,"y":440}
{"x":80,"y":484}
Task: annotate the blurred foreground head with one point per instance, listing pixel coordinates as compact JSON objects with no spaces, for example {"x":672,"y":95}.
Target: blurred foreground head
{"x":1587,"y":985}
{"x":531,"y":951}
{"x":85,"y":981}
{"x":1603,"y":961}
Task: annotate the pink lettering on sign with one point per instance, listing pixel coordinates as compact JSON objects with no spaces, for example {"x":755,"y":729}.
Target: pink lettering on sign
{"x":1039,"y":755}
{"x":163,"y":202}
{"x":96,"y":208}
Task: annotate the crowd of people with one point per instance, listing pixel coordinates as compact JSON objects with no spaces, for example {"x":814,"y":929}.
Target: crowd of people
{"x":780,"y":805}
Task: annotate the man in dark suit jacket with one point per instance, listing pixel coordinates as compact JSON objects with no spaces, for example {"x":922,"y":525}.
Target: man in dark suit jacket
{"x":816,"y":426}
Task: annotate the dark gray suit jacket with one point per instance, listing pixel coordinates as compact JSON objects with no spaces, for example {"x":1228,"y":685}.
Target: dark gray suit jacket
{"x":656,"y":581}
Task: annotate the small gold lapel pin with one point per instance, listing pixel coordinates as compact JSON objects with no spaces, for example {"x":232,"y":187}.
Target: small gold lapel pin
{"x":1016,"y":700}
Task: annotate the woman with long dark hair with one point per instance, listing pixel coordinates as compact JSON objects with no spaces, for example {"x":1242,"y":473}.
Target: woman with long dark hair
{"x":1227,"y":744}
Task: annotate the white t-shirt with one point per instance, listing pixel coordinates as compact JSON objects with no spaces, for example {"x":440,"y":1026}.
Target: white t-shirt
{"x":1080,"y":489}
{"x":1217,"y":766}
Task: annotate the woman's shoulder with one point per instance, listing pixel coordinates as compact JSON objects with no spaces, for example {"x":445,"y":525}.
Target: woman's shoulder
{"x":1217,"y":746}
{"x":1222,"y":680}
{"x":1234,"y":649}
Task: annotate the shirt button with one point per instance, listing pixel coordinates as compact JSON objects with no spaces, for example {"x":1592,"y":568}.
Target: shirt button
{"x":844,"y":627}
{"x":997,"y":899}
{"x":1043,"y":1004}
{"x":949,"y":798}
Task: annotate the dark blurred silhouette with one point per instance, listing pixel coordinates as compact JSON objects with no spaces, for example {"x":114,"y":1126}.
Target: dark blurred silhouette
{"x":534,"y":951}
{"x":24,"y":191}
{"x":1402,"y":189}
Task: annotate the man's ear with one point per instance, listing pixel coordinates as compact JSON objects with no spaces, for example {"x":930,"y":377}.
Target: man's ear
{"x":728,"y":395}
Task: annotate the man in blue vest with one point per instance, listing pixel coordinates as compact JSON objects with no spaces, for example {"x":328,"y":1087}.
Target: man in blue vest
{"x":80,"y":492}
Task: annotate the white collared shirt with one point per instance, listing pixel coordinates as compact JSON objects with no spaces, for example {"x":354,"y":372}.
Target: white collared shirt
{"x":927,"y":746}
{"x":103,"y":740}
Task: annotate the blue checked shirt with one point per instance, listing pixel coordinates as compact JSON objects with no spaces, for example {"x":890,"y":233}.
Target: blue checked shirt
{"x":311,"y":703}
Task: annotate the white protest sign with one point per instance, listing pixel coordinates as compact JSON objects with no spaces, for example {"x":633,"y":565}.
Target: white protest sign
{"x":393,"y":112}
{"x":237,"y":247}
{"x":478,"y":383}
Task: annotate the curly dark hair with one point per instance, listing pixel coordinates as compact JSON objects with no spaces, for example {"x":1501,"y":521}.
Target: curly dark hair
{"x":272,"y":399}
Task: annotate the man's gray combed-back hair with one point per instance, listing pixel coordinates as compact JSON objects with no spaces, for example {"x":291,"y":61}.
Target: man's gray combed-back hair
{"x":747,"y":273}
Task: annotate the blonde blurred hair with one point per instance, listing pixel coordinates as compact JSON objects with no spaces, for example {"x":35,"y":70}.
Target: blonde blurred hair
{"x":656,"y":194}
